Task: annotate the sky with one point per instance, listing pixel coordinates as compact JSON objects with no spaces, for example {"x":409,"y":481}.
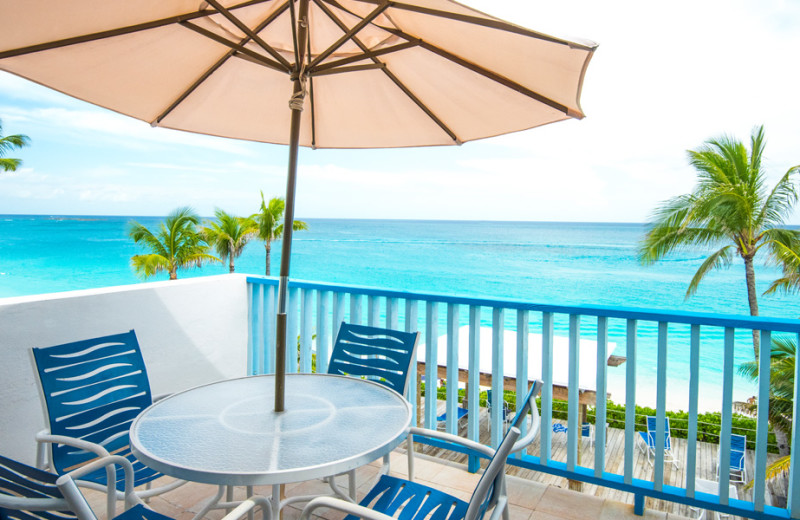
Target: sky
{"x":665,"y":78}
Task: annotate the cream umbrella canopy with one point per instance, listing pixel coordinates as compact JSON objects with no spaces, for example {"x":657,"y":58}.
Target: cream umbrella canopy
{"x":354,"y":73}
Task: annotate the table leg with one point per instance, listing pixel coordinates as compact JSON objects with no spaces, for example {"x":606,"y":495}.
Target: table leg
{"x":210,"y":504}
{"x":228,"y":498}
{"x":277,"y":495}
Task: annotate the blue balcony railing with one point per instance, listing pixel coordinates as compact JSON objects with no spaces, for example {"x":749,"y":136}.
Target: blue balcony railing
{"x":317,"y":309}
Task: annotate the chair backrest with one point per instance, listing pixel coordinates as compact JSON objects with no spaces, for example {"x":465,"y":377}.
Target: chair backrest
{"x":505,"y":410}
{"x":381,"y":355}
{"x":651,"y":432}
{"x":524,"y":408}
{"x":490,"y":485}
{"x":738,"y":445}
{"x":93,"y":390}
{"x":22,"y":487}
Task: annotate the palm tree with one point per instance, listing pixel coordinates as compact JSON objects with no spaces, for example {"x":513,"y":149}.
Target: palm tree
{"x":781,"y":388}
{"x":730,"y":205}
{"x":228,"y":235}
{"x":270,"y":226}
{"x":176,"y":245}
{"x":8,"y":143}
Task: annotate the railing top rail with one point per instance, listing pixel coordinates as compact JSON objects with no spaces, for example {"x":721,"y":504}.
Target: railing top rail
{"x":629,"y":313}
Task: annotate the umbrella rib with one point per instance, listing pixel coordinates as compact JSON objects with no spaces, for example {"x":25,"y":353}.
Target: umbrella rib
{"x":217,"y":65}
{"x":352,"y":68}
{"x":235,"y":46}
{"x":350,"y":34}
{"x":399,"y":84}
{"x":155,"y":24}
{"x":497,"y":78}
{"x":249,"y":32}
{"x":365,"y":56}
{"x":491,"y":22}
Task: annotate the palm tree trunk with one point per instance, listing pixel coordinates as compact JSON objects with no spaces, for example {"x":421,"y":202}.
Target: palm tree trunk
{"x":173,"y":273}
{"x":267,"y":247}
{"x":230,"y":255}
{"x":752,"y":298}
{"x":782,"y":440}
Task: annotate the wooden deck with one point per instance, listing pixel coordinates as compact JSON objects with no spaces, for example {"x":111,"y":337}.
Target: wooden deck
{"x":706,"y":465}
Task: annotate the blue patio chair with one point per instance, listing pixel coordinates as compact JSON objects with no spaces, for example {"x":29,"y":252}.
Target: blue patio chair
{"x":738,"y":473}
{"x":381,"y":355}
{"x":28,"y":493}
{"x":93,"y":390}
{"x":441,"y":420}
{"x":505,"y":414}
{"x":647,"y":442}
{"x":587,"y":431}
{"x":391,"y":495}
{"x":134,"y":507}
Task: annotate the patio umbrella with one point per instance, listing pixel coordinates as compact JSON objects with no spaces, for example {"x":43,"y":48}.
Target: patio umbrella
{"x":354,"y":73}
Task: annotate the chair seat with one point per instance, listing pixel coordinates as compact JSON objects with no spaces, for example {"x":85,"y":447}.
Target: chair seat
{"x":417,"y":501}
{"x":461,"y":412}
{"x":140,"y":512}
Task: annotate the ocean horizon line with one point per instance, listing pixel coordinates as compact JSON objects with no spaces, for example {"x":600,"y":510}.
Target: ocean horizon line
{"x":77,"y":216}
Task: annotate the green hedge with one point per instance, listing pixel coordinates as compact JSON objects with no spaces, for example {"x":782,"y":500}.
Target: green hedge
{"x":708,"y":424}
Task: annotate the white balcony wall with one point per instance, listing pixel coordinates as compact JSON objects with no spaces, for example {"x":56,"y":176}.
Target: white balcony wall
{"x":191,"y":332}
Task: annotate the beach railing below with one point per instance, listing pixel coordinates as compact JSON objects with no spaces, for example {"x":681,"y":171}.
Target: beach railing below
{"x":315,"y":311}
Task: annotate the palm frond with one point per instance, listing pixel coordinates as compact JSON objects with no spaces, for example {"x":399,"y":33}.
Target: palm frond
{"x":717,"y":259}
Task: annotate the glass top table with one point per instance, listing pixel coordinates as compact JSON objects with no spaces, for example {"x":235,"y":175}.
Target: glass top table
{"x":226,"y":433}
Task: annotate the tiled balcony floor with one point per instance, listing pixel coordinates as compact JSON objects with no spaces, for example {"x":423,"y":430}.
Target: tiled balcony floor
{"x":528,"y":500}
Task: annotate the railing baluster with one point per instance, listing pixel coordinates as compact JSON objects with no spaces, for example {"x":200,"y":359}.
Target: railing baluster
{"x":268,"y":318}
{"x":630,"y":399}
{"x":306,"y":321}
{"x":355,"y":309}
{"x":323,"y":339}
{"x":412,"y":325}
{"x":762,"y":423}
{"x":522,"y":363}
{"x":545,"y":432}
{"x":256,"y":327}
{"x":338,"y":317}
{"x":374,"y":311}
{"x":661,"y":405}
{"x":600,"y":412}
{"x":497,"y":377}
{"x":473,"y":385}
{"x":451,"y":405}
{"x":726,"y":418}
{"x":431,"y":364}
{"x":391,"y":314}
{"x":793,"y":496}
{"x":694,"y":395}
{"x":291,"y":331}
{"x":574,"y":427}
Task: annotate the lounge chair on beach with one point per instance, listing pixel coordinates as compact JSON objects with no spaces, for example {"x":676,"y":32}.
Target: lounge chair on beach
{"x":647,"y":442}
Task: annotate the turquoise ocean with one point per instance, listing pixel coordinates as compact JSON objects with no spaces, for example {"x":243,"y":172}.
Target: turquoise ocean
{"x":541,"y":262}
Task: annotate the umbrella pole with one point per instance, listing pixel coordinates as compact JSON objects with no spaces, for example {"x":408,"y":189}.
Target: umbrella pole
{"x":296,"y":105}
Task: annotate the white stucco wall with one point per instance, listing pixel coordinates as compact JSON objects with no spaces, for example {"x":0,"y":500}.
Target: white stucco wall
{"x":190,"y":331}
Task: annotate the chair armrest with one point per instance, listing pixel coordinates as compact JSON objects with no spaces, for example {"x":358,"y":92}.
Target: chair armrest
{"x":69,"y":488}
{"x":33,"y":504}
{"x":246,"y":506}
{"x":530,"y":434}
{"x":455,"y":439}
{"x":344,"y":506}
{"x":44,"y":436}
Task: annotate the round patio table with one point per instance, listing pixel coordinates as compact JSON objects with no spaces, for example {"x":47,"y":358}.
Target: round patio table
{"x":226,"y":433}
